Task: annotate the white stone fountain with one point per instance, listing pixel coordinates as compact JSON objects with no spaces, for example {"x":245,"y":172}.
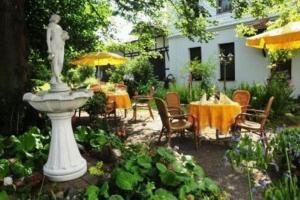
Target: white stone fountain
{"x":64,"y":159}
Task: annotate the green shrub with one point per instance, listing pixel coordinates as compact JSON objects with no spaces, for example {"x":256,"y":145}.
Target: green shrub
{"x":285,"y":188}
{"x":96,"y":105}
{"x":96,"y":139}
{"x":202,"y":72}
{"x":137,"y":74}
{"x":196,"y":91}
{"x":279,"y":87}
{"x":77,"y":77}
{"x":158,"y":173}
{"x":247,"y":153}
{"x":160,"y":91}
{"x":40,"y":73}
{"x":181,"y":90}
{"x":23,"y":154}
{"x":276,"y":86}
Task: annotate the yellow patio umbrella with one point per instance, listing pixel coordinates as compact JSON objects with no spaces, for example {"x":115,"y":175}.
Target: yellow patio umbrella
{"x":286,"y":37}
{"x":100,"y":59}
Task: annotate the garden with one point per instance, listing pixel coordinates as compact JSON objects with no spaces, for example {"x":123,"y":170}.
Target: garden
{"x":72,"y":127}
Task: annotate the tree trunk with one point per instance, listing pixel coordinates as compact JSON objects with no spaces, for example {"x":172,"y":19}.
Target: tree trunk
{"x":13,"y":66}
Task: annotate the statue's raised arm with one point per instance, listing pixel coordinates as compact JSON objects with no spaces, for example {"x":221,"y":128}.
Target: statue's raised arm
{"x":56,"y":38}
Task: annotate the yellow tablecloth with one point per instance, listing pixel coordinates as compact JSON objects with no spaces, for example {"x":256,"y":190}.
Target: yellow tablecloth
{"x":121,"y":98}
{"x":219,"y":116}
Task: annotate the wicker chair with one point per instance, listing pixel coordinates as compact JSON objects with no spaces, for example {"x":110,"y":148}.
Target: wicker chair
{"x":173,"y":102}
{"x":257,"y":126}
{"x":175,"y":123}
{"x":142,"y":101}
{"x":243,"y":98}
{"x":110,"y":109}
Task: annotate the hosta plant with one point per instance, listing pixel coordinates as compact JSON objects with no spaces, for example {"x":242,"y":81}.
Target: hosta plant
{"x":157,"y":174}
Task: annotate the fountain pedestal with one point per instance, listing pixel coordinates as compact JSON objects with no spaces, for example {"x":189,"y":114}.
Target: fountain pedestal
{"x":64,"y":160}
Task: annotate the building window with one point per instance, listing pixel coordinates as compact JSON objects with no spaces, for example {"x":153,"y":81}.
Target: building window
{"x":230,"y":66}
{"x":195,"y":54}
{"x":284,"y":67}
{"x":224,"y":6}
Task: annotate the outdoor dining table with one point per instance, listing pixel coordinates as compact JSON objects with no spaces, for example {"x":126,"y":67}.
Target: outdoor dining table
{"x":121,"y":98}
{"x":218,"y":116}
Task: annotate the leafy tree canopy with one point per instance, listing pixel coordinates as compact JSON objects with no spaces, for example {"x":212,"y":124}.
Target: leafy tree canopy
{"x":80,"y":18}
{"x":279,"y":13}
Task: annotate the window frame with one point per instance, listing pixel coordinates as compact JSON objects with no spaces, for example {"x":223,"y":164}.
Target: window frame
{"x":196,"y":78}
{"x":232,"y":77}
{"x":219,"y":7}
{"x":287,"y":64}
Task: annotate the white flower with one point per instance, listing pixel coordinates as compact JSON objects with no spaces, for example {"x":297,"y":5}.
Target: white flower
{"x":7,"y":181}
{"x":117,"y":152}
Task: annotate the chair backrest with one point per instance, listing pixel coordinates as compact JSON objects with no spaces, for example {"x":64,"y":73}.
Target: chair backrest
{"x":243,"y":98}
{"x":163,"y":112}
{"x":267,"y":111}
{"x":173,"y":99}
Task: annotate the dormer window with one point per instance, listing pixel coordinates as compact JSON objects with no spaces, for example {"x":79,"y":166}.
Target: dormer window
{"x":223,"y":6}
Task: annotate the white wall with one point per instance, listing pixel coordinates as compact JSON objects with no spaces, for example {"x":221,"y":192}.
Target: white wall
{"x":250,"y":64}
{"x":296,"y":74}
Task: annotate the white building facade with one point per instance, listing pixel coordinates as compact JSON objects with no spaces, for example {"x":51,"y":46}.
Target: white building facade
{"x":250,"y":64}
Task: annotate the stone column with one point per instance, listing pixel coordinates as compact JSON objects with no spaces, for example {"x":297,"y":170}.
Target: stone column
{"x":64,"y":159}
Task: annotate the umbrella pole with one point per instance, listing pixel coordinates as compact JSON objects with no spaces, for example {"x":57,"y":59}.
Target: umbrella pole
{"x":96,"y":75}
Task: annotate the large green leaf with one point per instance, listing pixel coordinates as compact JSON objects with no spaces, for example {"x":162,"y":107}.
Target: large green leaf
{"x":92,"y":192}
{"x":81,"y":134}
{"x":116,"y":197}
{"x":179,"y":168}
{"x":170,"y":178}
{"x":126,"y":180}
{"x":144,"y":161}
{"x":4,"y":167}
{"x":21,"y":170}
{"x":162,"y":194}
{"x":198,"y":171}
{"x":161,"y":167}
{"x":99,"y":141}
{"x":187,"y":188}
{"x":27,"y":142}
{"x":166,"y":154}
{"x":104,"y":190}
{"x":211,"y":185}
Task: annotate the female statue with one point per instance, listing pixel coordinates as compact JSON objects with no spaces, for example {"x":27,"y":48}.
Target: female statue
{"x":56,"y":38}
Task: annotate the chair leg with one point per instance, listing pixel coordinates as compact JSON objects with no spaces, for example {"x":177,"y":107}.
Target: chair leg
{"x":169,"y":139}
{"x":160,"y":134}
{"x":150,"y":110}
{"x":217,"y":134}
{"x":197,"y":138}
{"x":264,"y":138}
{"x":134,"y":113}
{"x":115,"y":117}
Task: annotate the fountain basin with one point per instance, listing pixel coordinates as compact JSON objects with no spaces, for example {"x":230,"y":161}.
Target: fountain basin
{"x":58,"y":102}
